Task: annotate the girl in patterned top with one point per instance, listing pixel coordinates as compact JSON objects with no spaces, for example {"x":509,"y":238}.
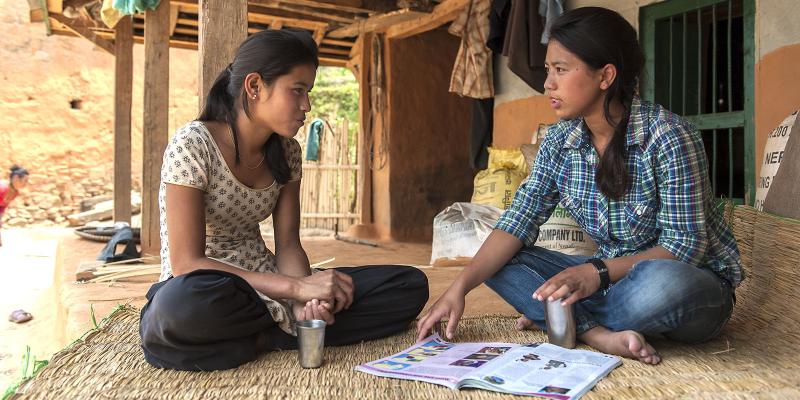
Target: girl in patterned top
{"x":224,"y":298}
{"x":635,"y":177}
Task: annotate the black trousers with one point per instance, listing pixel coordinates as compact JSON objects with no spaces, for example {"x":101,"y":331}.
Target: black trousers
{"x":211,"y":320}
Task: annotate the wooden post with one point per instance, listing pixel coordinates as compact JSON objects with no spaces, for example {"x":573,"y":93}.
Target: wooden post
{"x":364,"y":176}
{"x":123,"y":93}
{"x":223,"y":26}
{"x":156,"y":119}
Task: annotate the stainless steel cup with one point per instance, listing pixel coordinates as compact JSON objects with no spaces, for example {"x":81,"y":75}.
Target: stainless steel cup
{"x":310,"y":342}
{"x":560,"y":324}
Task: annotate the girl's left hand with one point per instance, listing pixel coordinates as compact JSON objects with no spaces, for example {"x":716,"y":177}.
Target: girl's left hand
{"x":578,"y":282}
{"x":313,"y":309}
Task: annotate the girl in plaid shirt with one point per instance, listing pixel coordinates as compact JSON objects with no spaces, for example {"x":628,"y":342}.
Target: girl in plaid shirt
{"x":635,"y":177}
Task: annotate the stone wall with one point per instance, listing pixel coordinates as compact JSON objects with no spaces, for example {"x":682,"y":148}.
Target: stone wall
{"x":56,"y":115}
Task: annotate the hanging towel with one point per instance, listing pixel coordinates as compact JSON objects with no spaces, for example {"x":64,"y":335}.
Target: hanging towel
{"x":314,"y":138}
{"x":472,"y":72}
{"x":129,"y":7}
{"x":109,"y":14}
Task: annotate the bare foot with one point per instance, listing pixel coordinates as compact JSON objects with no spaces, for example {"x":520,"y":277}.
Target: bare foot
{"x":629,"y":344}
{"x":524,"y":324}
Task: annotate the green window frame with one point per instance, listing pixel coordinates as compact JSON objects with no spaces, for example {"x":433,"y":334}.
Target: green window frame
{"x":694,"y":55}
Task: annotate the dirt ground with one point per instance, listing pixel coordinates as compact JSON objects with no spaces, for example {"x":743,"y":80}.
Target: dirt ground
{"x":42,"y":264}
{"x":27,"y":260}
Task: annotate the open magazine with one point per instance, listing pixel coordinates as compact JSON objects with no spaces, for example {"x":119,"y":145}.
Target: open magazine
{"x":536,"y":369}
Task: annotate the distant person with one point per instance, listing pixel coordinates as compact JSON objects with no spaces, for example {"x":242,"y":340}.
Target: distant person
{"x":9,"y":191}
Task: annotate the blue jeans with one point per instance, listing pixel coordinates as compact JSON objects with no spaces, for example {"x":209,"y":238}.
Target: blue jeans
{"x":666,"y":297}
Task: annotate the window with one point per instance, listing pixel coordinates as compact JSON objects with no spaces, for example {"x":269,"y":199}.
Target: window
{"x":699,"y":64}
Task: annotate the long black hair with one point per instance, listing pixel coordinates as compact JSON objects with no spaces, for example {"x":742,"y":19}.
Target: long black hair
{"x":599,"y":37}
{"x":270,"y":53}
{"x":16,"y":170}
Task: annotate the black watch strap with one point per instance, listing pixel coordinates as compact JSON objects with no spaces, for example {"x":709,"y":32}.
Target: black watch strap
{"x":602,"y":269}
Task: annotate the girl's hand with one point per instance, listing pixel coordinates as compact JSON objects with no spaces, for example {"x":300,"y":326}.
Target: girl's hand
{"x":581,"y":281}
{"x":450,"y":305}
{"x":313,"y":309}
{"x":331,"y":287}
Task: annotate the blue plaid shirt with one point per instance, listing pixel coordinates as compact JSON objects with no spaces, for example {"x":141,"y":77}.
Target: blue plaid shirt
{"x":669,"y":203}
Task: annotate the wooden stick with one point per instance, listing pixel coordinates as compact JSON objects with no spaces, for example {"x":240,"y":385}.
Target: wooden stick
{"x":321,"y":263}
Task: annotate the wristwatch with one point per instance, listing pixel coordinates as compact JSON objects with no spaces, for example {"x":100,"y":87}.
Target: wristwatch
{"x":602,"y":269}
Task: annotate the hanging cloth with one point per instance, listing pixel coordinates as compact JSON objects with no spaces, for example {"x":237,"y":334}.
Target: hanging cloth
{"x":472,"y":72}
{"x":130,"y":7}
{"x":523,"y":45}
{"x":314,"y":138}
{"x":109,"y":14}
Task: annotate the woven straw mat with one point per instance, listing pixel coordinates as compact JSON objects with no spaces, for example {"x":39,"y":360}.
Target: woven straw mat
{"x":756,"y":356}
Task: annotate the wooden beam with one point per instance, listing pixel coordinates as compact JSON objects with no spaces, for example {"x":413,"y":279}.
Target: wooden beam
{"x":319,"y":34}
{"x":328,"y":6}
{"x":333,"y":62}
{"x":445,"y":12}
{"x":123,"y":99}
{"x":174,"y":9}
{"x":364,"y":174}
{"x":83,"y":31}
{"x":336,"y":42}
{"x":289,"y":22}
{"x":278,"y":25}
{"x":156,"y":120}
{"x":326,"y":50}
{"x":223,"y":26}
{"x":377,"y":23}
{"x":303,"y":10}
{"x":355,"y":50}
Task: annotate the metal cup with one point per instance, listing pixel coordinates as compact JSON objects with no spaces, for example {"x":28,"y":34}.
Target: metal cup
{"x":311,"y":342}
{"x":560,"y":324}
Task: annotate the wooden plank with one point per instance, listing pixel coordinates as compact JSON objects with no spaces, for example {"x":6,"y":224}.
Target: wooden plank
{"x":329,"y":167}
{"x":83,"y":31}
{"x":319,"y":34}
{"x":445,"y":12}
{"x":223,"y":26}
{"x":327,"y":6}
{"x":289,"y":22}
{"x":86,"y":269}
{"x":377,"y":23}
{"x":337,"y":42}
{"x":101,"y":212}
{"x":364,"y":176}
{"x":277,"y":25}
{"x":332,"y":62}
{"x":327,"y":50}
{"x":174,"y":9}
{"x":308,"y":11}
{"x":355,"y":49}
{"x":123,"y":100}
{"x":156,"y":120}
{"x":329,"y":215}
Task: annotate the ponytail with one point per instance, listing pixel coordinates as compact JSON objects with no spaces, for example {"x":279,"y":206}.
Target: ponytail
{"x":612,"y":171}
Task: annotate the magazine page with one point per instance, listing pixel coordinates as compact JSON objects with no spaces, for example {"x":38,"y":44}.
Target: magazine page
{"x":437,"y":361}
{"x":544,"y":370}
